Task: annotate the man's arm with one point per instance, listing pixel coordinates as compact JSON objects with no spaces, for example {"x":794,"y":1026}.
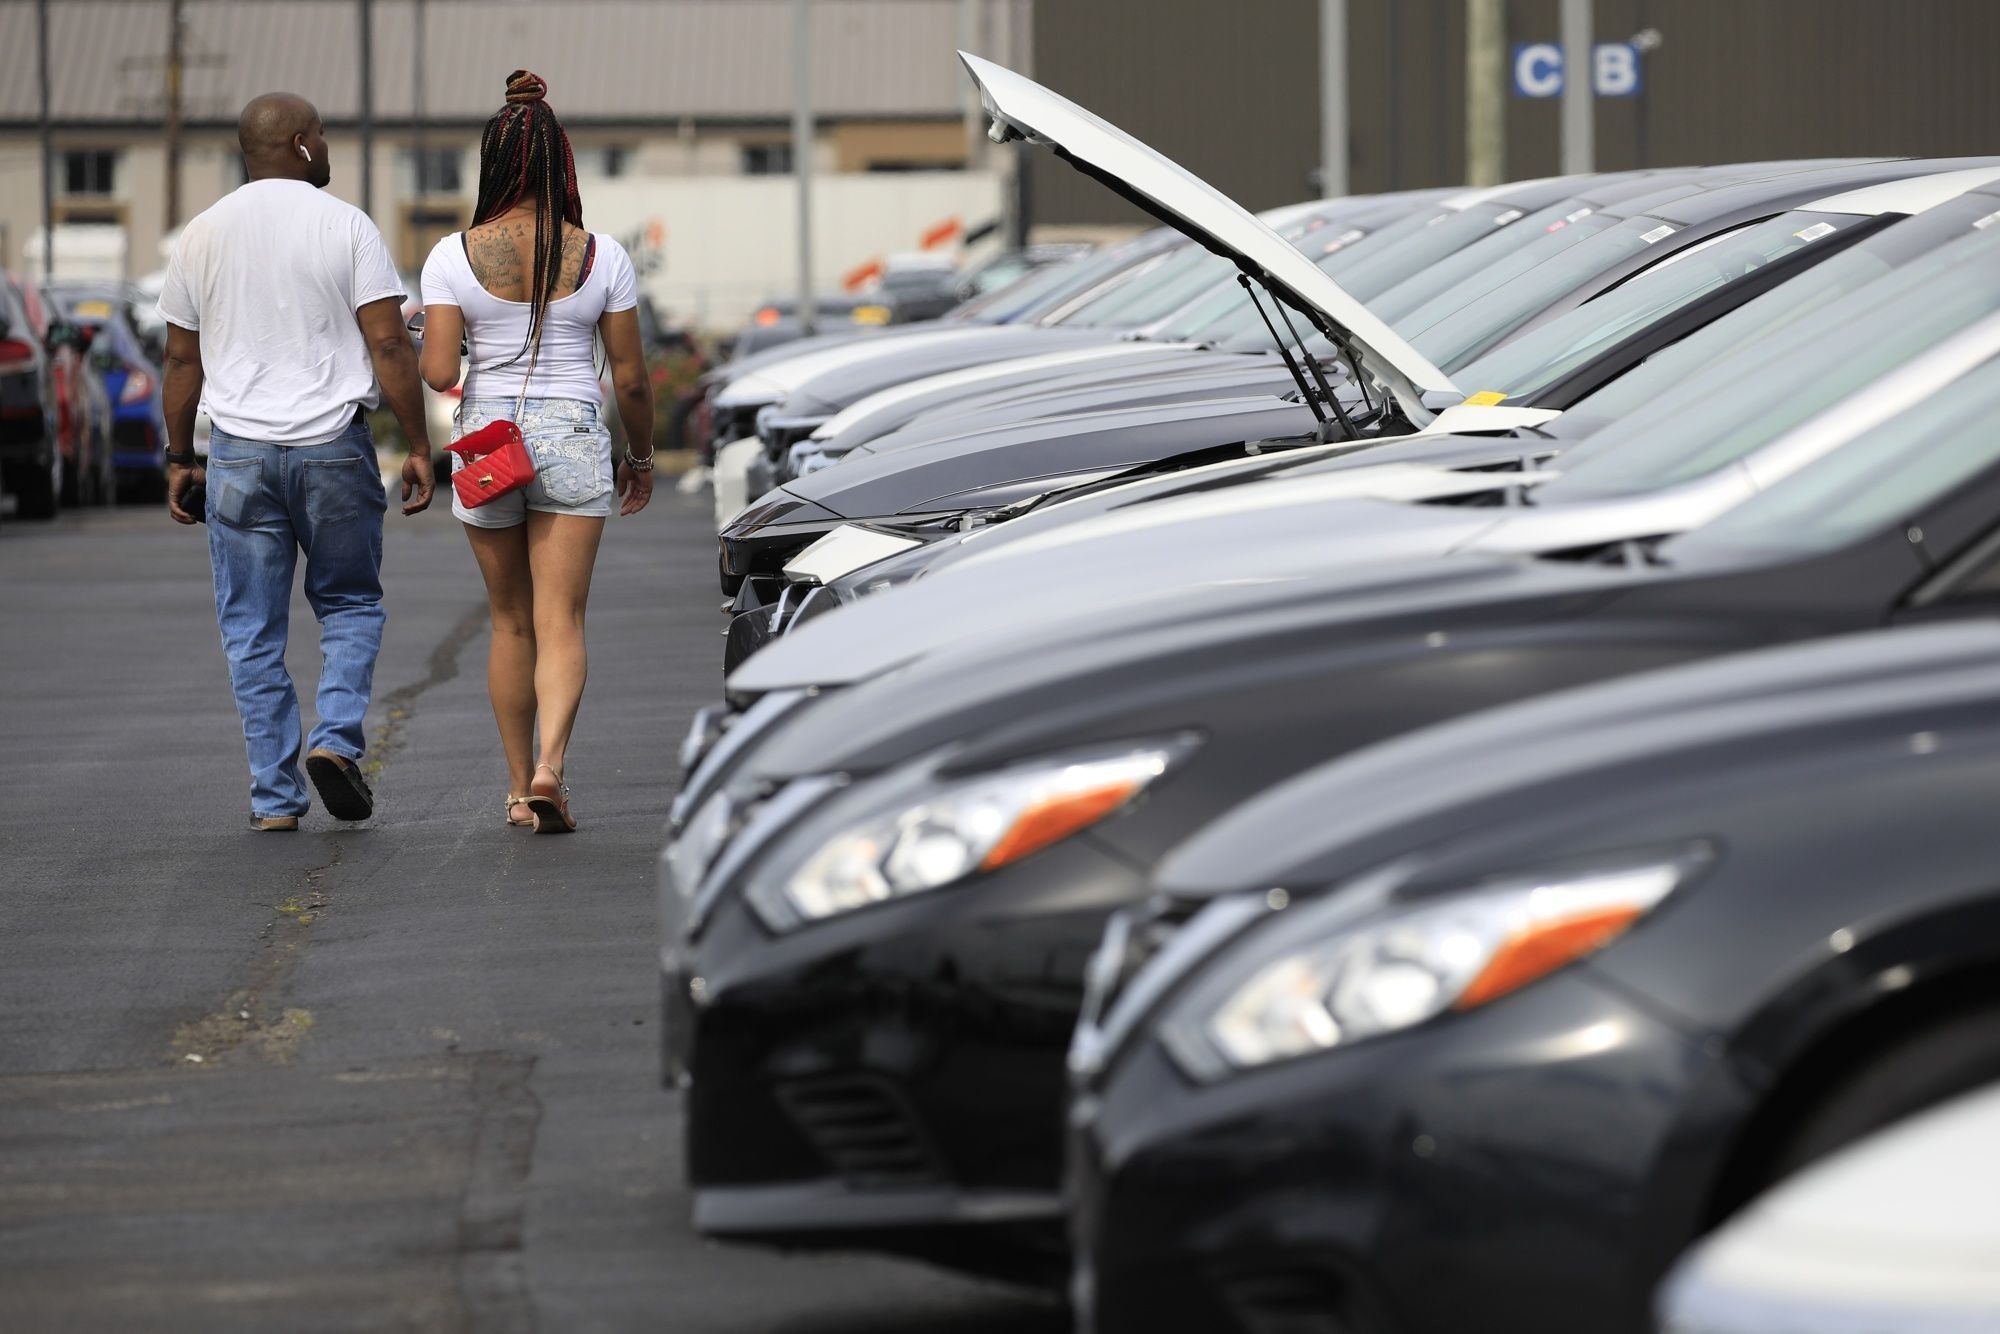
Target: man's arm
{"x":396,"y":371}
{"x":180,"y":392}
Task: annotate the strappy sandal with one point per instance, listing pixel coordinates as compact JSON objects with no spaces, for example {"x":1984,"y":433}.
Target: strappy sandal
{"x":508,"y":812}
{"x":551,"y":810}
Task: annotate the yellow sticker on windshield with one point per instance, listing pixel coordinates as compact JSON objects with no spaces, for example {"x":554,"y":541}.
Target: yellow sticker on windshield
{"x":92,"y":310}
{"x":1485,"y":398}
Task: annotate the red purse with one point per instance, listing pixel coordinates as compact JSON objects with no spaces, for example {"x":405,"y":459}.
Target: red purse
{"x":494,"y":460}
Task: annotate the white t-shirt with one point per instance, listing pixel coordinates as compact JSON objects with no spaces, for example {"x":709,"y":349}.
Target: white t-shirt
{"x":496,"y":331}
{"x":270,"y":277}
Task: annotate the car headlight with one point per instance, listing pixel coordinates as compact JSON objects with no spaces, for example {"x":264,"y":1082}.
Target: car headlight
{"x":1327,"y":979}
{"x":971,"y":827}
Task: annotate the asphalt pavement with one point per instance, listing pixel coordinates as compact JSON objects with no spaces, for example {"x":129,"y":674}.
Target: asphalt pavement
{"x":395,"y":1076}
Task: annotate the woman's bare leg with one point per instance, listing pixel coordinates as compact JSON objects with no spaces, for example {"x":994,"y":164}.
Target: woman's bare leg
{"x":562,"y":549}
{"x":510,"y":659}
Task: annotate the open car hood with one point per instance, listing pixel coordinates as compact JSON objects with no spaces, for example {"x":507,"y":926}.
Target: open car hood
{"x":1020,"y":108}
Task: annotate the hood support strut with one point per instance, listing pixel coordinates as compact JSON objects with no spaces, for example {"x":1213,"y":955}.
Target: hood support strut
{"x":1312,"y":396}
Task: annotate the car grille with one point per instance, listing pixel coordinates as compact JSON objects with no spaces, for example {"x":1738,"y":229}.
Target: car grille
{"x":1294,"y":1297}
{"x":864,"y":1128}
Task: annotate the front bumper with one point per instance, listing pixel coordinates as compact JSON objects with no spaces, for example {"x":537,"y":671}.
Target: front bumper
{"x":1526,"y":1166}
{"x":892,"y":1078}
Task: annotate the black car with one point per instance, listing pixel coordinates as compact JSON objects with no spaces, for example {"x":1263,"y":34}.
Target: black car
{"x":1479,"y":1028}
{"x":1037,"y":772}
{"x":1573,"y":375}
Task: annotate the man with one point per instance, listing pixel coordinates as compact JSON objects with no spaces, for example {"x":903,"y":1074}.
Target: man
{"x":282,"y":305}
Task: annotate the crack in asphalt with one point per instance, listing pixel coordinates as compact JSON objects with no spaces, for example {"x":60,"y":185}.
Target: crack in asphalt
{"x":399,"y":705}
{"x":251,"y":1021}
{"x":492,"y":1270}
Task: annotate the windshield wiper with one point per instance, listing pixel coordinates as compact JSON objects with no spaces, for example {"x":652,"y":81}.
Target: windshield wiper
{"x":1312,"y":397}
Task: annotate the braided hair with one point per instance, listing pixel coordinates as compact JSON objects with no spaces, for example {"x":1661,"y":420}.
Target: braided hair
{"x":525,"y":154}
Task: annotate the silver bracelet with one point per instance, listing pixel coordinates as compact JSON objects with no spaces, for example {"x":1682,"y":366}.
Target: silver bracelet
{"x":639,"y":464}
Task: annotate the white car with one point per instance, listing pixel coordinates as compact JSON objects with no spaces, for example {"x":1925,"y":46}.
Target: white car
{"x":1898,"y":1234}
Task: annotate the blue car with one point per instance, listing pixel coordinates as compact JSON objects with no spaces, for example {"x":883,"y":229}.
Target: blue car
{"x":131,"y":378}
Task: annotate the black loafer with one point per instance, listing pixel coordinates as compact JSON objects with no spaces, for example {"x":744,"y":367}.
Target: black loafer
{"x":342,"y":790}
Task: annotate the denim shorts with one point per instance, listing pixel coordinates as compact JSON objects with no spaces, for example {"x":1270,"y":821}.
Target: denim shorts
{"x":572,"y":452}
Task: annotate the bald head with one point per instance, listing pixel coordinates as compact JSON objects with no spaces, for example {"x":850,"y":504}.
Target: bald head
{"x":281,"y":135}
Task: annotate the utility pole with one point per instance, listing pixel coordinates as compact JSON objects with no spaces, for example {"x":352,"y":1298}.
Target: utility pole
{"x":975,"y":118}
{"x":1485,"y":92}
{"x":48,"y":143}
{"x":1332,"y":98}
{"x":368,"y":107}
{"x":174,"y":71}
{"x":802,"y":149}
{"x":1579,"y":128}
{"x":423,"y":186}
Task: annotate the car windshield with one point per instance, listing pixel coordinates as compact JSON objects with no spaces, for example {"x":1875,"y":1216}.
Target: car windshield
{"x":1887,"y":477}
{"x":1224,"y":313}
{"x":1040,"y":293}
{"x":1187,"y":274}
{"x":1481,"y":264}
{"x":1909,"y":242}
{"x":1377,"y":263}
{"x":1523,"y":367}
{"x":1451,"y":330}
{"x":1749,"y":398}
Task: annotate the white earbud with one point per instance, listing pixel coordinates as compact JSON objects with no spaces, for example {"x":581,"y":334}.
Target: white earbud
{"x":305,"y":153}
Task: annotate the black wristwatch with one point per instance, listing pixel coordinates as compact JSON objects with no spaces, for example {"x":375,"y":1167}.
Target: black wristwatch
{"x":187,"y":460}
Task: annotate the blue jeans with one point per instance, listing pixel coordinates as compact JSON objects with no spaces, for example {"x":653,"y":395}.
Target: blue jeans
{"x":266,"y":504}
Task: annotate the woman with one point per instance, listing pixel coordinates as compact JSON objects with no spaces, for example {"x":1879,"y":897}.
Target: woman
{"x":528,"y":290}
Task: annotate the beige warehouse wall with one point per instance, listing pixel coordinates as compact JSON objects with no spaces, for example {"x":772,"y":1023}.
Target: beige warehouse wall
{"x":731,"y":242}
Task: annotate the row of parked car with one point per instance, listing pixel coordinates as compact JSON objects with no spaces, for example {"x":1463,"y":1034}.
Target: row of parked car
{"x":81,"y":421}
{"x":1388,"y":767}
{"x":910,"y":288}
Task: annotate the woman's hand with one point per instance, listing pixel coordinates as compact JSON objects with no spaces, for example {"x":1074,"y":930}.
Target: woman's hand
{"x":634,"y":486}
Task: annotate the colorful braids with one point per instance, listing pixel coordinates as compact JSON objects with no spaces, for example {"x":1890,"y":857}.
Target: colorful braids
{"x":525,"y":154}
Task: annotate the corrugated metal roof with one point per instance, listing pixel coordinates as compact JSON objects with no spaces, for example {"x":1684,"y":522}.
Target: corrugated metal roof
{"x":605,"y":60}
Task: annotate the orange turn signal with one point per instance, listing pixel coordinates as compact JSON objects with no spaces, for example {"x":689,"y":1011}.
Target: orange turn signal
{"x":766,"y":317}
{"x":1543,"y":948}
{"x":1055,"y":817}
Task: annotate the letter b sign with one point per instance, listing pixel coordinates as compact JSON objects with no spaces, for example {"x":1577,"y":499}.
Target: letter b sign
{"x":1615,"y":69}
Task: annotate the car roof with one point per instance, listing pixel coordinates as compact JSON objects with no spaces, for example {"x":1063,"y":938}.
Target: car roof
{"x":1794,"y":189}
{"x":1911,"y":194}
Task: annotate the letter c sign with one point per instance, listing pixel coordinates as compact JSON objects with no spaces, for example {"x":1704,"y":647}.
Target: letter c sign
{"x":1538,"y":69}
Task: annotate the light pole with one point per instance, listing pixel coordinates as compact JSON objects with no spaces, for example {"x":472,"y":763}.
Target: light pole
{"x":802,"y":146}
{"x":1332,"y":98}
{"x":1579,"y":129}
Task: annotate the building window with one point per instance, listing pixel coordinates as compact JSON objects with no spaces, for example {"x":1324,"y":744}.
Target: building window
{"x":435,"y":171}
{"x":767,"y":159}
{"x":89,"y":171}
{"x":603,"y":163}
